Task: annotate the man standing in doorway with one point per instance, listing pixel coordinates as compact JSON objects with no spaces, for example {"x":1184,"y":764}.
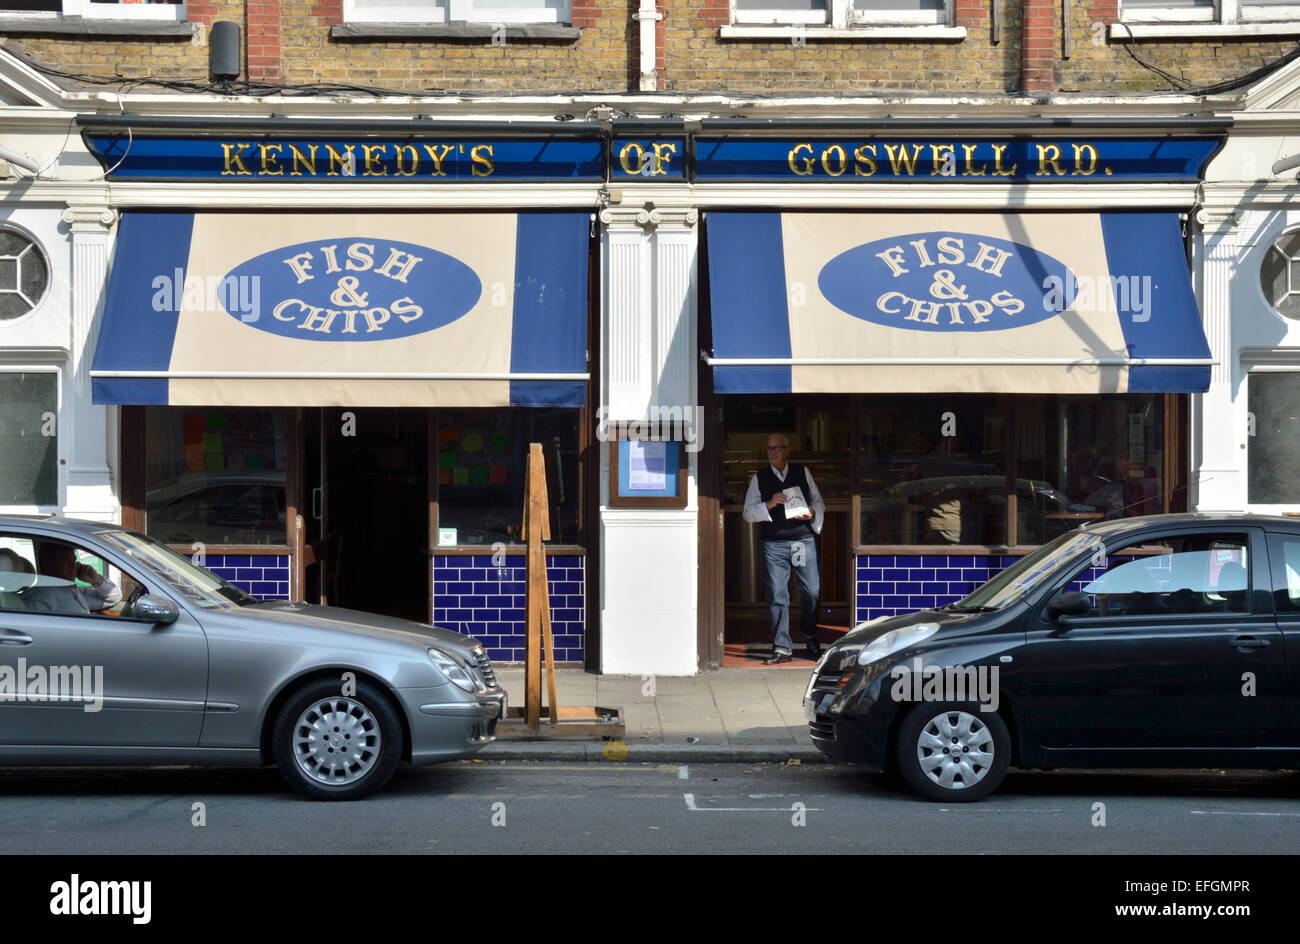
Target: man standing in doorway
{"x":783,"y":500}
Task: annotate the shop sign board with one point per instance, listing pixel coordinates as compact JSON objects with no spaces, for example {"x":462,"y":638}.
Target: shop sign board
{"x":274,"y":159}
{"x":954,"y":159}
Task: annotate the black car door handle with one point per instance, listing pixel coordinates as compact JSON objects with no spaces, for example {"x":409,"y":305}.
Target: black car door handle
{"x":1248,"y":642}
{"x":11,"y":637}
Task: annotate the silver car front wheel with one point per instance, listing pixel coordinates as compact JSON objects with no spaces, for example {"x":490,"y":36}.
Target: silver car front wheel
{"x":331,"y":746}
{"x":336,"y":741}
{"x":953,"y":752}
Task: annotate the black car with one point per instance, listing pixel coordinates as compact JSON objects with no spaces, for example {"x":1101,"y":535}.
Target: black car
{"x":1146,"y":642}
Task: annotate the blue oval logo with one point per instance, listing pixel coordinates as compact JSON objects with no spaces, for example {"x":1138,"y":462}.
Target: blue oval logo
{"x":350,"y":289}
{"x":945,"y":281}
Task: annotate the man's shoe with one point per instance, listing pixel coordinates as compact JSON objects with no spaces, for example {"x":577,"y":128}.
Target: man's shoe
{"x":778,"y":658}
{"x":814,"y":649}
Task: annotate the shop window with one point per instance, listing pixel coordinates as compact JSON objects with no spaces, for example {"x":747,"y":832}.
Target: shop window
{"x":215,"y":476}
{"x":24,"y":274}
{"x":934,"y":470}
{"x":1279,"y":276}
{"x":482,"y":474}
{"x":1272,"y":446}
{"x":841,"y":13}
{"x":29,"y":443}
{"x":173,"y":10}
{"x":1082,"y":459}
{"x":456,"y":11}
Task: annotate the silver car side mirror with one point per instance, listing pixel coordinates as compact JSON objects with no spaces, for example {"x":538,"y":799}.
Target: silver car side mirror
{"x":155,"y":610}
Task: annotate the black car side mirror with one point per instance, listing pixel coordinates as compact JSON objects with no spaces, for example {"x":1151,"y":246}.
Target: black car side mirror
{"x":155,"y":610}
{"x":1069,"y":604}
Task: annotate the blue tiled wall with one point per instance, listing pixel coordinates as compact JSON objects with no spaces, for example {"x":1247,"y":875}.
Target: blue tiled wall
{"x":893,"y":584}
{"x":262,"y":575}
{"x":472,"y":596}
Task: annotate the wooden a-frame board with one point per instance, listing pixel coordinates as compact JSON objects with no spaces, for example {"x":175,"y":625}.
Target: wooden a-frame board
{"x":525,"y":722}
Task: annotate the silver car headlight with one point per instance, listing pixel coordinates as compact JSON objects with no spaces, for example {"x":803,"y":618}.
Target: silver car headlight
{"x":894,"y":640}
{"x":456,"y":671}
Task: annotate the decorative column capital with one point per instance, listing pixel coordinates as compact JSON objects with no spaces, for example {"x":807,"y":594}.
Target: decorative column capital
{"x":90,"y":219}
{"x":1219,"y":220}
{"x":649,"y":216}
{"x":675,"y":216}
{"x":625,"y":217}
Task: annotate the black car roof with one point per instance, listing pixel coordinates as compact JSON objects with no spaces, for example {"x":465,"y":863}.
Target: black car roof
{"x":1194,"y":518}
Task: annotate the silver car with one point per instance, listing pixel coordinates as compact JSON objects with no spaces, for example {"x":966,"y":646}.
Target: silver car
{"x":116,"y":650}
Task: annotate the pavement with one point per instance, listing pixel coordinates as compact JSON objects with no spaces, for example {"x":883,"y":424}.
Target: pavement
{"x":747,"y":715}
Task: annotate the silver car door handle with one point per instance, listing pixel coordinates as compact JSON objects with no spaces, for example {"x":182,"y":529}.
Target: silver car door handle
{"x":1248,"y":642}
{"x":11,"y":637}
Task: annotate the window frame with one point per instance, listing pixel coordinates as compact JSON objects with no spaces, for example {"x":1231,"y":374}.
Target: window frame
{"x":39,"y":247}
{"x":1252,"y":370}
{"x":451,"y":12}
{"x":1221,"y":13}
{"x":840,"y":14}
{"x":88,"y":10}
{"x":61,"y":444}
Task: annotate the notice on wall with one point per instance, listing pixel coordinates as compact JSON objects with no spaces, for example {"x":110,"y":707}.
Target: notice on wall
{"x":647,"y":469}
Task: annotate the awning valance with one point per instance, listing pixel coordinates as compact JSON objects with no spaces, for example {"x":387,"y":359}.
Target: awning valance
{"x":940,"y":303}
{"x":317,"y":309}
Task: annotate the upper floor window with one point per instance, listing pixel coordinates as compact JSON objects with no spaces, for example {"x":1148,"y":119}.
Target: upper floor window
{"x":173,"y":10}
{"x":840,"y":13}
{"x":1220,"y":12}
{"x":24,"y":274}
{"x":456,"y":11}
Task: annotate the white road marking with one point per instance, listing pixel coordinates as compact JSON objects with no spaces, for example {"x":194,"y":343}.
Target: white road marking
{"x":684,"y":772}
{"x":970,"y":809}
{"x":690,"y":805}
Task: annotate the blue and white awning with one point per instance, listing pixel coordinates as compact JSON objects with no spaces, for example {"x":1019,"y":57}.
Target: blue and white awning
{"x":313,"y":309}
{"x":1068,"y":303}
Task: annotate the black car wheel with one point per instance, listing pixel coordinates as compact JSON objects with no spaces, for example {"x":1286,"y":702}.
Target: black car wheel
{"x":952,"y":752}
{"x":335,"y":746}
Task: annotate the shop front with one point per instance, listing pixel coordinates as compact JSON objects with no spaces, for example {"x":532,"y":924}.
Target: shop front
{"x":962,"y":385}
{"x":336,"y":407}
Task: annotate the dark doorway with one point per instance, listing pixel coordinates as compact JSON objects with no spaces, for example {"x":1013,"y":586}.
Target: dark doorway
{"x":369,"y":510}
{"x":819,"y":432}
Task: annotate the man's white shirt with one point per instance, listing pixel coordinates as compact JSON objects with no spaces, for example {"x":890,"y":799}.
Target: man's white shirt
{"x":756,"y":510}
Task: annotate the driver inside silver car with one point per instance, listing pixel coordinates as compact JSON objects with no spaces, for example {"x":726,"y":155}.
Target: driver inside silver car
{"x":57,"y":560}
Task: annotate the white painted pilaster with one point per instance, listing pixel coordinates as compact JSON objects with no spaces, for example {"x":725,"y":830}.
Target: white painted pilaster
{"x":649,"y":557}
{"x":90,"y":491}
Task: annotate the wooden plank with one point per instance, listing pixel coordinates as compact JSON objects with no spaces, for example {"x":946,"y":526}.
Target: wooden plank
{"x":574,"y":713}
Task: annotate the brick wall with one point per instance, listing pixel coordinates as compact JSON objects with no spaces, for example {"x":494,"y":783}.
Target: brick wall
{"x":1096,"y":63}
{"x":262,"y":575}
{"x":599,"y":60}
{"x":290,"y":42}
{"x":697,"y":60}
{"x":472,"y":596}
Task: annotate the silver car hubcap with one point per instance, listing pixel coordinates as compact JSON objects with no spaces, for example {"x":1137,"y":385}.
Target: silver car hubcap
{"x":336,"y":741}
{"x":955,"y":750}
